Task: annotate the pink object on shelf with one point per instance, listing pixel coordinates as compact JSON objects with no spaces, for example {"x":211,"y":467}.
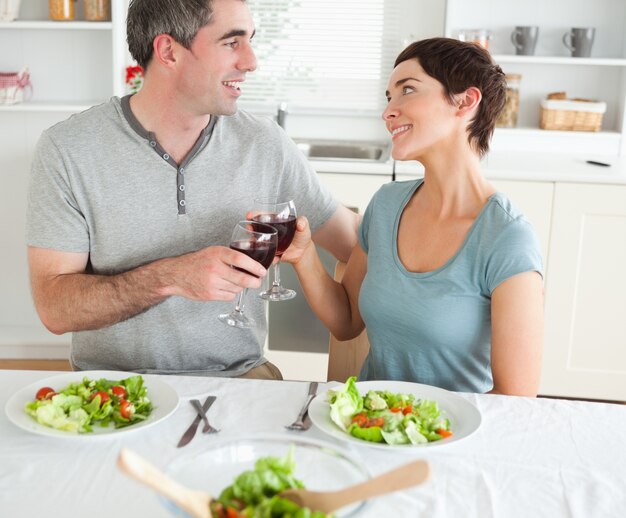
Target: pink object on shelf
{"x":12,"y":86}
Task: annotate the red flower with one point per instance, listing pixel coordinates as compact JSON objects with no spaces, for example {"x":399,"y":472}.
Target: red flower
{"x":131,"y":72}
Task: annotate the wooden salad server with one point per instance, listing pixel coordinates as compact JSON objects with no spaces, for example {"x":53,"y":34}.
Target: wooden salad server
{"x":195,"y":503}
{"x":405,"y":476}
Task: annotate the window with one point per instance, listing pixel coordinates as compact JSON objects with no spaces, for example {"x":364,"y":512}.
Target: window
{"x":333,"y":54}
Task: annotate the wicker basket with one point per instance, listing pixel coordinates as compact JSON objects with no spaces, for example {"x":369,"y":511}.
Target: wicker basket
{"x":566,"y":115}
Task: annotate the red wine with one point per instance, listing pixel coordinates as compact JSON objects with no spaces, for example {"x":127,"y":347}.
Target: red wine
{"x":286,"y":228}
{"x":261,"y":251}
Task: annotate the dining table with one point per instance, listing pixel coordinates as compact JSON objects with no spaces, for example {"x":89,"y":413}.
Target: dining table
{"x":529,"y":458}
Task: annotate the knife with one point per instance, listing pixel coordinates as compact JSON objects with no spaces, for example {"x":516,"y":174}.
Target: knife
{"x":191,"y":431}
{"x":207,"y":426}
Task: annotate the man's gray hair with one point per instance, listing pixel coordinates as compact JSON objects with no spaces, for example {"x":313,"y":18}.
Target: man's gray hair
{"x":181,"y":19}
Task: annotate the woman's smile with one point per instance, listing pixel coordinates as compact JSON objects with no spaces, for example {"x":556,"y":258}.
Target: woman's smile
{"x":399,"y":130}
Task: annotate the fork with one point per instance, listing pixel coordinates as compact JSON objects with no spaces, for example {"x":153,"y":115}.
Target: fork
{"x":301,"y":423}
{"x":207,"y":426}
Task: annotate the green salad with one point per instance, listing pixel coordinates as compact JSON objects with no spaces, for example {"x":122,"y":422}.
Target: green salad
{"x":386,"y":417}
{"x":82,"y":405}
{"x":254,"y":494}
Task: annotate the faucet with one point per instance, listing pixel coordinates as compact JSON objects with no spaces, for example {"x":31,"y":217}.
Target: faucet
{"x":281,"y":115}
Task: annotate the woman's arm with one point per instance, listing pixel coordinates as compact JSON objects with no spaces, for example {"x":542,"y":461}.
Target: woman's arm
{"x":334,"y":303}
{"x":517,"y":335}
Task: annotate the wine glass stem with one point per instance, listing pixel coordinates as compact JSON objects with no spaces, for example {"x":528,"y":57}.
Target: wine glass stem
{"x":239,"y":305}
{"x":276,"y":274}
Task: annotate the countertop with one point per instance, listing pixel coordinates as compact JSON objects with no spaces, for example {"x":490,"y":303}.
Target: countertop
{"x":538,"y":167}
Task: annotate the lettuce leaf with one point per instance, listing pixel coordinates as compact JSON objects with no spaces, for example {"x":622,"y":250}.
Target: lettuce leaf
{"x":371,"y":434}
{"x":258,"y":490}
{"x":344,"y":403}
{"x":413,"y":420}
{"x":396,"y":436}
{"x":54,"y":415}
{"x":374,"y":401}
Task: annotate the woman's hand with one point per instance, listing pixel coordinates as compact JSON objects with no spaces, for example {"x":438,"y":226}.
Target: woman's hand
{"x":301,"y":243}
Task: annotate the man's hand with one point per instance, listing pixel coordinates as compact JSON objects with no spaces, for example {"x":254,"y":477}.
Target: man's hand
{"x":212,"y":274}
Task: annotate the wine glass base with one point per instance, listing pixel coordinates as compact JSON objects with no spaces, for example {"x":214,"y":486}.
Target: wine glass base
{"x":277,"y":293}
{"x":236,"y":319}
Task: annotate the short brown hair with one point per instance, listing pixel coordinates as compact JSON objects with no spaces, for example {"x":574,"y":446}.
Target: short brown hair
{"x":181,"y":19}
{"x":459,"y":65}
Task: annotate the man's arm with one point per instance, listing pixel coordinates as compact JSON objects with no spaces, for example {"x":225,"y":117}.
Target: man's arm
{"x":69,"y":299}
{"x":339,"y":234}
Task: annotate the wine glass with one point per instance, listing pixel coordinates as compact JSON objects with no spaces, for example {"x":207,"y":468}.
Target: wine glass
{"x":282,"y":216}
{"x":257,"y":241}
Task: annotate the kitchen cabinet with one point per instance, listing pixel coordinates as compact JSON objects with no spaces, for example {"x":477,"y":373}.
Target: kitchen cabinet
{"x":352,"y":189}
{"x":601,"y":77}
{"x":585,"y":335}
{"x":73,"y":65}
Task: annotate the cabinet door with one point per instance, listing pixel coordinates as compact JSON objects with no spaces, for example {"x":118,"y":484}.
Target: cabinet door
{"x":585,"y":338}
{"x":22,"y":335}
{"x":534,"y":199}
{"x":354,"y":190}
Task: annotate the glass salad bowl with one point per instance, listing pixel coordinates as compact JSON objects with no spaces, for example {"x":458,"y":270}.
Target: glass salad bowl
{"x":319,"y":465}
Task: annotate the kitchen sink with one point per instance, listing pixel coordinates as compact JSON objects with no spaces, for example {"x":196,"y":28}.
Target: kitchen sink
{"x":344,"y":150}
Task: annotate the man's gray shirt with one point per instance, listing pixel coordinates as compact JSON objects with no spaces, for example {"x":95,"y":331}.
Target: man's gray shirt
{"x":102,"y":185}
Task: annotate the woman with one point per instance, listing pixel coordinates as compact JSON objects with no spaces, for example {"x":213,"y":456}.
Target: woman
{"x":447,"y":274}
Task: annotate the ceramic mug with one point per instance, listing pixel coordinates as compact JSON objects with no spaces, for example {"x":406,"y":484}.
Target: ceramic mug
{"x":579,"y":41}
{"x":524,"y":39}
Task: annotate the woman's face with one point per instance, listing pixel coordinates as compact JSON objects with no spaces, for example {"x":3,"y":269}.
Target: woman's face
{"x":418,"y":116}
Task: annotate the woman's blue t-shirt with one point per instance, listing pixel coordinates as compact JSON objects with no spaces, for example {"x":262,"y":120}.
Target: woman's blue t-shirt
{"x":435,"y":327}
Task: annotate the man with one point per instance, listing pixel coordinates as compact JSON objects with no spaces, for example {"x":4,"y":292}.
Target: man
{"x":132,"y":203}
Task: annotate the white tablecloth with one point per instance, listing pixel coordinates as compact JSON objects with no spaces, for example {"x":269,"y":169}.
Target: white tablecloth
{"x":530,"y":458}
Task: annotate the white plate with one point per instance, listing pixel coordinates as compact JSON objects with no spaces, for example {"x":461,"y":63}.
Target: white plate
{"x":163,"y":397}
{"x":464,"y":417}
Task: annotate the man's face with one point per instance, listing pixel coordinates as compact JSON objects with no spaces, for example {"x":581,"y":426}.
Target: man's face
{"x":211,"y":71}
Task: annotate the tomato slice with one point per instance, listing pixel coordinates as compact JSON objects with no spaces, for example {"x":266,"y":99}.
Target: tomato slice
{"x":45,"y":393}
{"x":119,"y":391}
{"x":375,"y":421}
{"x":127,"y":409}
{"x":104,"y":397}
{"x":360,"y":419}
